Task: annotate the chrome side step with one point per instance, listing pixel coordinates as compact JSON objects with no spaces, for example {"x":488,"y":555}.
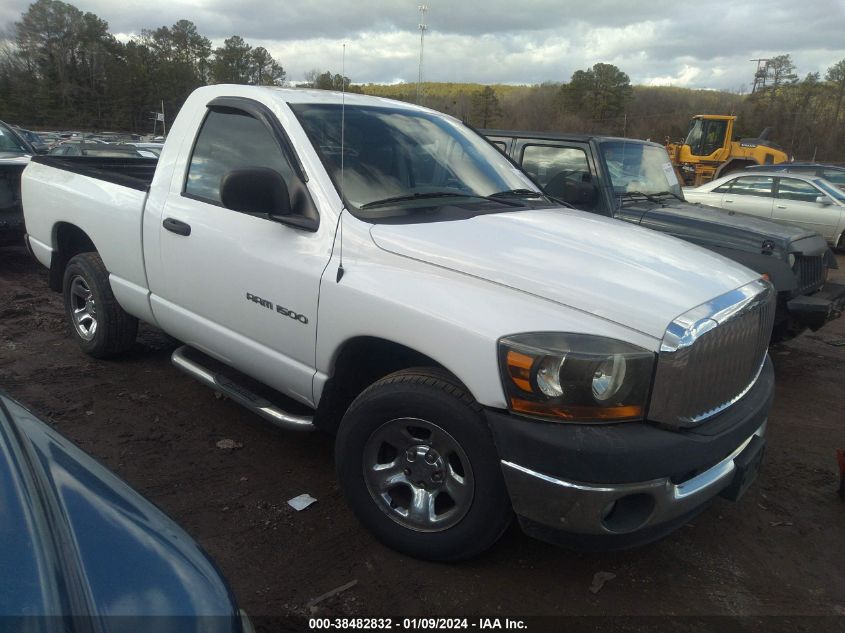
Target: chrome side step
{"x":239,"y":393}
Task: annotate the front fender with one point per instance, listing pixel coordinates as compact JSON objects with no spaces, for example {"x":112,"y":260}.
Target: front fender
{"x":779,"y":273}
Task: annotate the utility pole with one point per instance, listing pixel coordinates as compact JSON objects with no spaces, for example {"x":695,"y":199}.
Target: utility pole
{"x":760,"y":75}
{"x":423,"y":28}
{"x":163,"y":125}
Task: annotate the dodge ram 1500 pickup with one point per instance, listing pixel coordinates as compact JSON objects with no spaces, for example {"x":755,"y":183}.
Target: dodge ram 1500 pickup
{"x":378,"y":270}
{"x":634,"y":181}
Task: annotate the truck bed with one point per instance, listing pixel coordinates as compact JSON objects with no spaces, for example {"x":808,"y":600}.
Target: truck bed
{"x":136,"y":173}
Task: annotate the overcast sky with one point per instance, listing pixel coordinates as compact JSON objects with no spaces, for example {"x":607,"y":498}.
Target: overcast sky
{"x":660,"y":42}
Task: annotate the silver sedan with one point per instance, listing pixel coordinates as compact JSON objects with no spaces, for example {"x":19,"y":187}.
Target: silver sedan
{"x":807,"y":201}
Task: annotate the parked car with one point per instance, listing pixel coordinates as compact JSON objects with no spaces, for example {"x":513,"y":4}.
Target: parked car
{"x":78,"y":545}
{"x":35,"y":140}
{"x":15,"y":153}
{"x":101,"y":149}
{"x":633,"y":181}
{"x":832,"y":173}
{"x":806,"y":201}
{"x":152,"y":148}
{"x":378,"y":270}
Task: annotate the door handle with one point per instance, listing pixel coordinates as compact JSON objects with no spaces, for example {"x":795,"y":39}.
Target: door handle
{"x":780,"y":206}
{"x":729,"y":201}
{"x":177,"y":226}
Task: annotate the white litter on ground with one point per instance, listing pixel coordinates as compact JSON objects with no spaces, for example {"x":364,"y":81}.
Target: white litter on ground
{"x":301,"y":502}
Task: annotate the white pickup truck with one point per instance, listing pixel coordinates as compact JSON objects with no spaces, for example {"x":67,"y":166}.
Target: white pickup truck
{"x":380,"y":271}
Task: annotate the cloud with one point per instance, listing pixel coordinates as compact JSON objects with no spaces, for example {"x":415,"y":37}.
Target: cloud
{"x":499,"y":41}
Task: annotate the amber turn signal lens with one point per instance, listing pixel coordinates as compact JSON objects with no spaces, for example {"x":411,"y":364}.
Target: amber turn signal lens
{"x":519,"y":369}
{"x":579,"y":413}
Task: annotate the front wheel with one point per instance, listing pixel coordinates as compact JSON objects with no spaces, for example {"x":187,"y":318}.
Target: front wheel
{"x":100,"y":326}
{"x":418,"y":466}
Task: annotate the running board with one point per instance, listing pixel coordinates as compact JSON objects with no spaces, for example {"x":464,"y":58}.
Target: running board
{"x":240,"y":394}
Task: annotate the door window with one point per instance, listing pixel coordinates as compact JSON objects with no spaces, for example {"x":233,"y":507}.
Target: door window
{"x":231,"y":139}
{"x":798,"y":190}
{"x":562,"y":172}
{"x":760,"y":186}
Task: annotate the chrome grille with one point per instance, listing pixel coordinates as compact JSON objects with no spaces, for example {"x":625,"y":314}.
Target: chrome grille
{"x":810,"y":273}
{"x":712,"y":355}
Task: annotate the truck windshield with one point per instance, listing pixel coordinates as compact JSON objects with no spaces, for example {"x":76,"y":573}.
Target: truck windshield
{"x":639,"y":168}
{"x":397,"y":157}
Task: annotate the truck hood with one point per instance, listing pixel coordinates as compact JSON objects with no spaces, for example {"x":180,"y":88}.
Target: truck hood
{"x":634,"y":277}
{"x":711,"y":226}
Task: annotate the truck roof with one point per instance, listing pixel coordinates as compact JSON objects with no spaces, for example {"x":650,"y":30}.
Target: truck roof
{"x":305,"y":95}
{"x":563,"y":136}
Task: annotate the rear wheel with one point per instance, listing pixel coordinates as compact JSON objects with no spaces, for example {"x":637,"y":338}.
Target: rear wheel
{"x":417,"y":464}
{"x":100,"y":326}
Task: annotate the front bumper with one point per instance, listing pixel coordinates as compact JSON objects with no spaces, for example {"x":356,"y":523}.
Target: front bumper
{"x":627,"y":508}
{"x":813,"y":311}
{"x":610,"y":486}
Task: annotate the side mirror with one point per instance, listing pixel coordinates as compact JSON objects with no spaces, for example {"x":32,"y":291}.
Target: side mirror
{"x":823,"y":200}
{"x":262,"y":192}
{"x":256,"y":190}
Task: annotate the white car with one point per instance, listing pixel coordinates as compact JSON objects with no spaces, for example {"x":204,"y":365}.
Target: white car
{"x":803,"y":200}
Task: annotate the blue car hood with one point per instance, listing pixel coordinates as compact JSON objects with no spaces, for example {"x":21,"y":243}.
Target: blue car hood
{"x":75,"y":540}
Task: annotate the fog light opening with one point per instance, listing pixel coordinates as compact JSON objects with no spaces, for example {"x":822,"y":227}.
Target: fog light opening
{"x":628,"y":513}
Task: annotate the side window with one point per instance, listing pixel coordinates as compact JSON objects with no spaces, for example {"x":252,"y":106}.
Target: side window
{"x":500,"y":145}
{"x":798,"y":190}
{"x":230,"y":139}
{"x":753,"y":186}
{"x":724,"y":188}
{"x":562,"y":172}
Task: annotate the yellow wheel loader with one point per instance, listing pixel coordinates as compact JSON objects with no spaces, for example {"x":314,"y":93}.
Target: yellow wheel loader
{"x":710,"y":150}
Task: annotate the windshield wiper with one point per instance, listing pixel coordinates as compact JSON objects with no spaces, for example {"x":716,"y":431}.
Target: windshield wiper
{"x":516,"y":193}
{"x":416,"y":196}
{"x":669,"y":193}
{"x":647,"y":196}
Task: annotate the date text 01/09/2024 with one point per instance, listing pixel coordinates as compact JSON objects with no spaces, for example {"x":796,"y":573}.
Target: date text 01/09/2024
{"x":416,"y":624}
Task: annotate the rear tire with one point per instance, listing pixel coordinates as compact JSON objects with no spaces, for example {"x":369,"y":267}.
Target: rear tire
{"x":102,"y":328}
{"x":417,"y":464}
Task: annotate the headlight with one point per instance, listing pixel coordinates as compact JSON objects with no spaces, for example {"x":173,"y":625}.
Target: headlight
{"x":791,"y":259}
{"x":575,"y":377}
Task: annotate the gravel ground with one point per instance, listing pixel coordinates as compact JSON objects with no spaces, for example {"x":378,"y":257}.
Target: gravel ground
{"x":779,"y":551}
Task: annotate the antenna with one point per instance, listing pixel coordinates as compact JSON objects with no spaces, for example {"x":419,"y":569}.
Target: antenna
{"x":340,"y":270}
{"x":423,"y":28}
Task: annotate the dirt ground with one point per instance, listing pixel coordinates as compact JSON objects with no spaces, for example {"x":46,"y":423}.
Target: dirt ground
{"x":779,"y":551}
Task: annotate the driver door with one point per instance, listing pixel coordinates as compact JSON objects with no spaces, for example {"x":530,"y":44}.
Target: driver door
{"x":241,"y":287}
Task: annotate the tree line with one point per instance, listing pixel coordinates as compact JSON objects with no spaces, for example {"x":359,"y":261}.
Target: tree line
{"x":62,"y":68}
{"x":807,"y":116}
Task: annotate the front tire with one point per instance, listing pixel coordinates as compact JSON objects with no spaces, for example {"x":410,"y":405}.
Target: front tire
{"x":418,"y":466}
{"x":102,"y":328}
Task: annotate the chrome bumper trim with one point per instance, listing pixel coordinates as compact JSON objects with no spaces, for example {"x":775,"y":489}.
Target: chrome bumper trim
{"x":581,"y":507}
